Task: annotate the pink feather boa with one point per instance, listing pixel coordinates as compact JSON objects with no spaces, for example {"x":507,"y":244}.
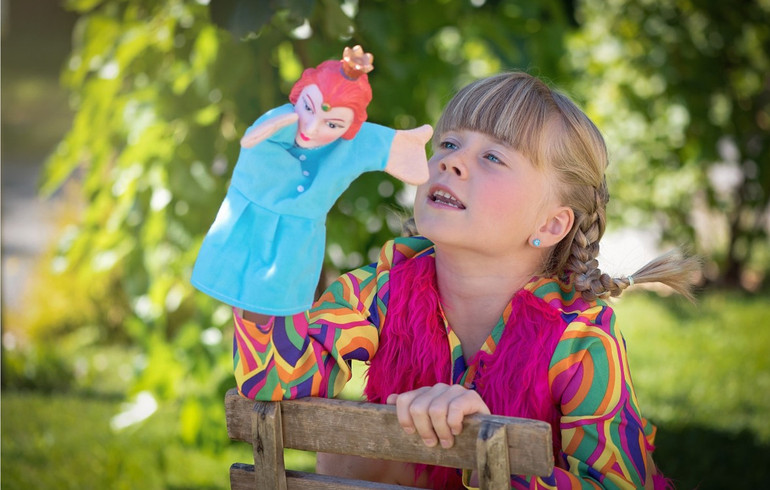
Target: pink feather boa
{"x":414,"y":352}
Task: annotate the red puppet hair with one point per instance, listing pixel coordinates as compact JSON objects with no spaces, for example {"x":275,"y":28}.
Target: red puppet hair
{"x":338,"y":91}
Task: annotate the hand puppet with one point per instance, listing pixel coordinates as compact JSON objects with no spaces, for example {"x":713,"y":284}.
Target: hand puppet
{"x":265,"y":249}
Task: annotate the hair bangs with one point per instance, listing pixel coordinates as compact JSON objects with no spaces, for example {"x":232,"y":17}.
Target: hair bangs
{"x":512,"y":108}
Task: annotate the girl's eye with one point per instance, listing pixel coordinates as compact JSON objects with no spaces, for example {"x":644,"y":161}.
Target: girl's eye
{"x":331,"y":125}
{"x":493,"y":158}
{"x":307,"y":107}
{"x":448,"y":145}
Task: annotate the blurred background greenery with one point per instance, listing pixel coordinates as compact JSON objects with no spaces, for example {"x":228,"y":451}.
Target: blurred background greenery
{"x":114,"y":368}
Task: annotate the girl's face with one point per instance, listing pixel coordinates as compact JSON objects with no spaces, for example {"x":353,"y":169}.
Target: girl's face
{"x":318,"y":127}
{"x":481,"y":194}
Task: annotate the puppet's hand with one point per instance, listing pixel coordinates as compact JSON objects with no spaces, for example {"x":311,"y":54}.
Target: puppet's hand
{"x":407,"y":160}
{"x":266,"y":129}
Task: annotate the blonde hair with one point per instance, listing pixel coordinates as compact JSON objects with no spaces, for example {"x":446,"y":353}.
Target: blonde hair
{"x":557,"y":137}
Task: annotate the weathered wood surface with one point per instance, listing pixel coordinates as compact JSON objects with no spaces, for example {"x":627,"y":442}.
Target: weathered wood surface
{"x":267,"y":444}
{"x":491,"y":456}
{"x":372,"y":430}
{"x":242,"y":478}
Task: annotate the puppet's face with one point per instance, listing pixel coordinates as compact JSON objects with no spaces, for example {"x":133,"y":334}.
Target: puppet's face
{"x":318,"y":127}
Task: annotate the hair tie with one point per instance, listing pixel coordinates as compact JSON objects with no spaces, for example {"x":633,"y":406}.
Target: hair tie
{"x":630,"y":280}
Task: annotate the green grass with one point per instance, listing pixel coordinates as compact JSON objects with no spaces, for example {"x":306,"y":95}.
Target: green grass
{"x":65,"y":441}
{"x":701,"y":373}
{"x":705,"y":364}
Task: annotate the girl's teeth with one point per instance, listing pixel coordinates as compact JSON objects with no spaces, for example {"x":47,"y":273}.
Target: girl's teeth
{"x":448,"y":199}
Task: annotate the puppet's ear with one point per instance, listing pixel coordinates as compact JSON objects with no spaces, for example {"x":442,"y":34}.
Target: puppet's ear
{"x":407,"y":160}
{"x":265,"y":129}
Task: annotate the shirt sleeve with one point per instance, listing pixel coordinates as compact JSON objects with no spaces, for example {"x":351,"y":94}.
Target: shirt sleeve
{"x":309,"y":354}
{"x":605,"y":441}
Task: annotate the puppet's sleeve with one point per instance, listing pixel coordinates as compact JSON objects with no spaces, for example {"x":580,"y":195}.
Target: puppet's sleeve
{"x":605,"y":441}
{"x":373,"y":143}
{"x":284,"y":137}
{"x":367,"y":151}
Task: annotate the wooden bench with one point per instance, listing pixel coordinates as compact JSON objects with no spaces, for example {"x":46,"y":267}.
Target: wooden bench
{"x":495,"y":446}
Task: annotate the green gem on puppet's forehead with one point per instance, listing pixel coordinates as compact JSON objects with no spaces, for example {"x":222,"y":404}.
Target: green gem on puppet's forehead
{"x":326,"y":107}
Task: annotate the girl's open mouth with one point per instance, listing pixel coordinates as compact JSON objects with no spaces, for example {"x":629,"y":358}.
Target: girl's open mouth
{"x":443,"y":197}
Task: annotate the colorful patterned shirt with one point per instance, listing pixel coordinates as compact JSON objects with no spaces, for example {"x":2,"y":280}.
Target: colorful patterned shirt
{"x":605,"y":441}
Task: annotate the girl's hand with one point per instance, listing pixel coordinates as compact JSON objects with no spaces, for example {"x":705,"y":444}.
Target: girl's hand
{"x":266,"y":129}
{"x":407,"y":160}
{"x":436,"y":412}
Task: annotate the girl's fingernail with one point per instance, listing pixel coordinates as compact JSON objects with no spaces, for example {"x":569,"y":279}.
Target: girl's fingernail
{"x":429,"y":442}
{"x":446,"y":443}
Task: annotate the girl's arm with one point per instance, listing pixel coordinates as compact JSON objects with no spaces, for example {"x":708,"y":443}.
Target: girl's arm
{"x":309,"y":354}
{"x":605,"y":441}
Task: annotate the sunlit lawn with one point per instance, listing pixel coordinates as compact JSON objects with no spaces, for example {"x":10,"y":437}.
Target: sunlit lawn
{"x":65,"y":441}
{"x":702,"y":375}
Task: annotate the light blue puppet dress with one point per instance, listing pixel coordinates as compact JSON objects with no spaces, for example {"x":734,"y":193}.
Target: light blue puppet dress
{"x":265,"y":249}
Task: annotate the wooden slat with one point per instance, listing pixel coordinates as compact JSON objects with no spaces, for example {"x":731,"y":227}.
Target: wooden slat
{"x":340,"y":426}
{"x":242,"y":478}
{"x":268,"y":446}
{"x":492,"y":456}
{"x":299,"y":480}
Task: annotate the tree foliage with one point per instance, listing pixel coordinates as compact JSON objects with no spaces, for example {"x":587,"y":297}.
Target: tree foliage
{"x":163,"y":90}
{"x":683,"y":90}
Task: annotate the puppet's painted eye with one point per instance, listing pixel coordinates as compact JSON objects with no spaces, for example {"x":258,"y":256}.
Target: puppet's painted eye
{"x":332,"y":125}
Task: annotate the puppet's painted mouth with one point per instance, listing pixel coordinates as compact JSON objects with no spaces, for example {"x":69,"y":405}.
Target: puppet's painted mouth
{"x":303,"y":137}
{"x":443,"y":197}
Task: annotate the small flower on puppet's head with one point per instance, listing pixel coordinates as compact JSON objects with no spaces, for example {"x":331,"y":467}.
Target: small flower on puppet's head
{"x":355,"y":62}
{"x":326,"y":107}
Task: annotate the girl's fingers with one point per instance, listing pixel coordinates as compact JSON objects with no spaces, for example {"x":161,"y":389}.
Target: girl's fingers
{"x":419,"y":410}
{"x":467,"y":403}
{"x":436,"y":413}
{"x":403,"y":401}
{"x":439,"y":410}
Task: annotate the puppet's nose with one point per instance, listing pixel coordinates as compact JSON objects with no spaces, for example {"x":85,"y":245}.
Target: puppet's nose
{"x":312,"y":127}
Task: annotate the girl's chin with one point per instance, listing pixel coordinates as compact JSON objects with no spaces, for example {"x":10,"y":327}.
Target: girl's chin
{"x":433,"y":229}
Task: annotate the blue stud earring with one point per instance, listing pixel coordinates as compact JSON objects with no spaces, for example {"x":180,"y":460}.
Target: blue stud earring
{"x":536,"y":242}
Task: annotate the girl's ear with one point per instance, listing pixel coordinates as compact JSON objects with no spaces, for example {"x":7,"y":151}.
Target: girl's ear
{"x":557,"y":225}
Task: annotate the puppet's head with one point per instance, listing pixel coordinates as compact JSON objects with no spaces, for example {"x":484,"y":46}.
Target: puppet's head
{"x":343,"y":83}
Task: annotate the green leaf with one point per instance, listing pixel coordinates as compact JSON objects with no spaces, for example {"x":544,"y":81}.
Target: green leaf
{"x":243,"y":18}
{"x":336,"y":24}
{"x":82,"y":5}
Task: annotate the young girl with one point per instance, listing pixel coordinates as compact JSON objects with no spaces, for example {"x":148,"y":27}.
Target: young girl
{"x":265,"y":249}
{"x":499,"y":307}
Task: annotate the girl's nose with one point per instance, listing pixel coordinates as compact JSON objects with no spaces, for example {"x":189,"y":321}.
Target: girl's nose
{"x":453,"y":164}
